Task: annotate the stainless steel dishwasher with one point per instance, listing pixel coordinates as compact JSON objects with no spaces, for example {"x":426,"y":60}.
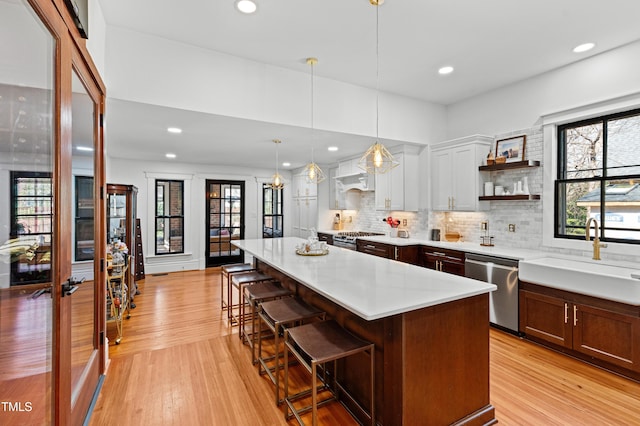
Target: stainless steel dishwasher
{"x":503,"y":303}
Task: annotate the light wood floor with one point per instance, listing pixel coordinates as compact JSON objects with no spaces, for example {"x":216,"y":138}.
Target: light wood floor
{"x":180,"y":364}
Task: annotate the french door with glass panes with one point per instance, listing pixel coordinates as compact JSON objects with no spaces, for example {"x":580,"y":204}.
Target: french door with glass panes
{"x":225,"y":221}
{"x":51,"y":298}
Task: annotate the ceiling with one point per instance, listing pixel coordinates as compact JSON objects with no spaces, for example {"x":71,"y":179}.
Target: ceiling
{"x":490,"y":43}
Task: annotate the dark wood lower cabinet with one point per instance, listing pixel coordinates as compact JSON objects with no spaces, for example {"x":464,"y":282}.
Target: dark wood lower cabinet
{"x":600,"y":331}
{"x":327,"y":238}
{"x":445,"y":260}
{"x":406,"y":254}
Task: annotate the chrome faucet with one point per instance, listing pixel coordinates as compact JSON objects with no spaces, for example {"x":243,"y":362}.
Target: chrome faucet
{"x":596,"y":239}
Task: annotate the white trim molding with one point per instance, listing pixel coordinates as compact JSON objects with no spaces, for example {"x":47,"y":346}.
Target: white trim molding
{"x":550,"y":124}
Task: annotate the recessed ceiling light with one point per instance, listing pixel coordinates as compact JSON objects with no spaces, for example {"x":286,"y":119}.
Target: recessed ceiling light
{"x":332,"y":148}
{"x":445,"y":70}
{"x":170,"y":155}
{"x":285,"y":164}
{"x":84,"y":148}
{"x":174,"y":130}
{"x":246,"y":6}
{"x":583,"y":47}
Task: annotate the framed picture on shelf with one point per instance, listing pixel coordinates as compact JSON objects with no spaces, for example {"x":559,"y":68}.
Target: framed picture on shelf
{"x":512,"y":149}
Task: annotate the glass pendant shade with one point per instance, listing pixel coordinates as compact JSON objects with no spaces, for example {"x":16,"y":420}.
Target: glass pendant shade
{"x":312,"y":171}
{"x":277,"y":182}
{"x":377,"y":160}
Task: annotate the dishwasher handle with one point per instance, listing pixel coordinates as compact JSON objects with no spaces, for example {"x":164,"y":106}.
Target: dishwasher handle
{"x":495,"y":265}
{"x":493,"y":259}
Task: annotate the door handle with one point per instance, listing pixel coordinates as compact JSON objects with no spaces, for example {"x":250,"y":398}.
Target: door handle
{"x":71,"y":286}
{"x":566,"y":312}
{"x":575,"y":315}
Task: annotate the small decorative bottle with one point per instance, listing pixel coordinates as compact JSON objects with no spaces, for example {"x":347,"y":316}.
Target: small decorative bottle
{"x":525,"y":185}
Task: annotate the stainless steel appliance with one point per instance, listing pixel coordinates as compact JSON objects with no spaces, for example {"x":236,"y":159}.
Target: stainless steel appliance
{"x":347,"y":239}
{"x":503,"y":303}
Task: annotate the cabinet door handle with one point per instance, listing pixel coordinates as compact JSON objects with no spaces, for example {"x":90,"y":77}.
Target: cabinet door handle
{"x":453,"y":203}
{"x":575,"y":315}
{"x":449,"y":203}
{"x":369,"y":246}
{"x":395,"y":253}
{"x":566,"y":312}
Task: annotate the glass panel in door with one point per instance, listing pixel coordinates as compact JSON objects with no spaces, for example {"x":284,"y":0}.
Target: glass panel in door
{"x":27,"y":108}
{"x":84,"y":319}
{"x":225,"y":214}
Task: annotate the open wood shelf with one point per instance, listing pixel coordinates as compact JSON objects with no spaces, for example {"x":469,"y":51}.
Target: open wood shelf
{"x":509,"y":166}
{"x":523,"y":197}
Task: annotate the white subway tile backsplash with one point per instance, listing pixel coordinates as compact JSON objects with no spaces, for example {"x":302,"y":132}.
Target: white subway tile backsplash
{"x":525,"y":215}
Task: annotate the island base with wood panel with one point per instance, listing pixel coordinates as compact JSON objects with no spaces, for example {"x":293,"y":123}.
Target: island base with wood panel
{"x":432,"y":363}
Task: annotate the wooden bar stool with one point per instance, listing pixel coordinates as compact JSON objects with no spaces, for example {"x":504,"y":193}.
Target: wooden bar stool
{"x":278,"y":314}
{"x":255,"y":294}
{"x":240,"y":281}
{"x":227,"y":272}
{"x":316,"y":344}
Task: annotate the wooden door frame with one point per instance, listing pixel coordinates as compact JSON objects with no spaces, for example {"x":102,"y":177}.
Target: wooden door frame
{"x":70,"y":52}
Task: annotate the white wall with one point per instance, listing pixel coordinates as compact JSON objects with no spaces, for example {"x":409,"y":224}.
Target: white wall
{"x":148,"y":69}
{"x":520,"y":105}
{"x":596,"y":86}
{"x":143,"y":175}
{"x":96,"y":44}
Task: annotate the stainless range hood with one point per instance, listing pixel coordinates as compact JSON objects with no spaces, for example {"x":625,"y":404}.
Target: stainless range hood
{"x":357,"y":181}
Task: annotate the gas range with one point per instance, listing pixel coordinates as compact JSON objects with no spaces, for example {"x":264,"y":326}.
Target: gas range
{"x":347,"y":239}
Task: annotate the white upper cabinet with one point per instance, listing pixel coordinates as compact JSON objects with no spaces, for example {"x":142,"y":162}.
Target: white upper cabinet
{"x":349,"y":167}
{"x":455,"y":180}
{"x":305,"y":205}
{"x":301,"y":188}
{"x":398,"y":188}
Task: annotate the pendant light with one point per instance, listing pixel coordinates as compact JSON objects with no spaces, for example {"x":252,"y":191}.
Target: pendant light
{"x":276,"y":180}
{"x":377,"y":159}
{"x":312,"y":171}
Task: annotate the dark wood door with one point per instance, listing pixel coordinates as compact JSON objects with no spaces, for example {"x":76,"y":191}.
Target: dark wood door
{"x":225,"y":221}
{"x":606,"y":335}
{"x":546,"y":317}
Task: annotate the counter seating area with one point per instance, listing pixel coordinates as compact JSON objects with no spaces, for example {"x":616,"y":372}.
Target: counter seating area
{"x":428,"y":331}
{"x":226,"y":273}
{"x":311,"y":339}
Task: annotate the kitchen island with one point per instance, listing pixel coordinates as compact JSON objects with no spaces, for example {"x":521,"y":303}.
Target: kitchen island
{"x":430,"y":329}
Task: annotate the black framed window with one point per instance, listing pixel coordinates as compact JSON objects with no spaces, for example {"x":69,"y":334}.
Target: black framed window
{"x":31,"y":227}
{"x":272,"y":217}
{"x":169,"y":216}
{"x":599,"y":177}
{"x":84,"y":213}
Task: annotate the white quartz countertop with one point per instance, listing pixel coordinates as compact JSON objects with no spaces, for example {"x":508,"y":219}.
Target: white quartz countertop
{"x":369,"y":286}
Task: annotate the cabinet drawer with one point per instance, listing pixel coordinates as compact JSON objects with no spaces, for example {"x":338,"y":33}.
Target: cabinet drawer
{"x":445,"y":260}
{"x":328,"y":238}
{"x":376,"y":249}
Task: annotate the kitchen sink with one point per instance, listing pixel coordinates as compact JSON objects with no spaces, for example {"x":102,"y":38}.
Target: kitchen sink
{"x":611,"y":281}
